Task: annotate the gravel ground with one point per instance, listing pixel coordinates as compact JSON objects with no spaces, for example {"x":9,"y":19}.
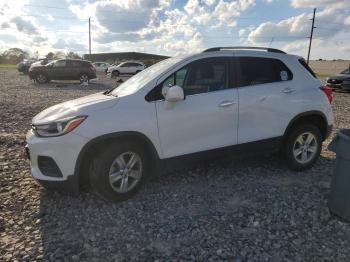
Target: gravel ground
{"x":252,"y":209}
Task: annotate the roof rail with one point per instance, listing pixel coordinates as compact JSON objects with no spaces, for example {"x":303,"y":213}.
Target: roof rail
{"x":244,"y":48}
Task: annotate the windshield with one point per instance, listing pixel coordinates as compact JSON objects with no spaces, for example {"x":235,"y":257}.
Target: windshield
{"x":136,"y":82}
{"x":51,"y":62}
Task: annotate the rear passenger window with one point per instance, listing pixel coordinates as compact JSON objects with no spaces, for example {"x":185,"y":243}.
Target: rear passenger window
{"x":261,"y":70}
{"x":75,"y":64}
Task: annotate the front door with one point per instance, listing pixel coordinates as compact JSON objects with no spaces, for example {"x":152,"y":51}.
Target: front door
{"x":208,"y":117}
{"x":58,"y":71}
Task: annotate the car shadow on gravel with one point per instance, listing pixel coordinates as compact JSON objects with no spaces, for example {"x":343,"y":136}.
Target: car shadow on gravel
{"x":247,"y":204}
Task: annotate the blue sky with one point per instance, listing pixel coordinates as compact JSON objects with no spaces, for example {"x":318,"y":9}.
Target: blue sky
{"x":175,"y":27}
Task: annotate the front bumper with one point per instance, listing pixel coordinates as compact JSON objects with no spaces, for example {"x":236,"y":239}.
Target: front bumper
{"x":64,"y":150}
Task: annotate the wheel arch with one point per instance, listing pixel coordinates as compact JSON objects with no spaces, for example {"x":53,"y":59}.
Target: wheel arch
{"x":317,"y":118}
{"x":86,"y":153}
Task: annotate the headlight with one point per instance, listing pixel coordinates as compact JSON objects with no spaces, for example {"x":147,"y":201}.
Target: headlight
{"x":58,"y":127}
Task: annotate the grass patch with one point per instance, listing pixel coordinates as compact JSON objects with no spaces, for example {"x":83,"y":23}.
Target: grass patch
{"x":322,"y":74}
{"x":7,"y":66}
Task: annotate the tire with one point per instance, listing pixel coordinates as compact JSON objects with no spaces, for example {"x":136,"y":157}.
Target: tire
{"x":115,"y":73}
{"x":84,"y":78}
{"x":41,"y":79}
{"x":302,"y":147}
{"x":108,"y":162}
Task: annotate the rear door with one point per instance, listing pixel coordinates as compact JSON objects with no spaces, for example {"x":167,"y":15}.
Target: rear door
{"x":267,"y":98}
{"x":125,"y":68}
{"x":72,"y":69}
{"x":207,"y":118}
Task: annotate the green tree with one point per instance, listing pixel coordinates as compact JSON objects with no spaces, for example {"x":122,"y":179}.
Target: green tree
{"x":73,"y":55}
{"x":14,"y":55}
{"x":50,"y":56}
{"x":59,"y":55}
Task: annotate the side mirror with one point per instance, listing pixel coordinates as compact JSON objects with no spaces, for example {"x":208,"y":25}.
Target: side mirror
{"x":173,"y":93}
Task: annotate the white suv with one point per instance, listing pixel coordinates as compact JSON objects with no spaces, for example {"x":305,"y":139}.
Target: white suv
{"x":126,"y":68}
{"x":221,"y":101}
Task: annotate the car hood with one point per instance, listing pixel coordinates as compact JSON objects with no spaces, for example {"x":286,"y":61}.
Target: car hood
{"x":82,"y":106}
{"x":37,"y":66}
{"x":339,"y":77}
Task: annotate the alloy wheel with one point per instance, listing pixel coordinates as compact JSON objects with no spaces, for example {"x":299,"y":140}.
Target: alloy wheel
{"x":41,"y":78}
{"x":84,"y":78}
{"x":305,"y":147}
{"x":125,"y":172}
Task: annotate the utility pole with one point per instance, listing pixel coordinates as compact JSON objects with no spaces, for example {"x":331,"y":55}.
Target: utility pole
{"x":89,"y":40}
{"x":312,"y":32}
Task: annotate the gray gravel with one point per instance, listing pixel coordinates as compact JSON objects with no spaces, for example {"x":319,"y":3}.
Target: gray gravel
{"x":251,"y":209}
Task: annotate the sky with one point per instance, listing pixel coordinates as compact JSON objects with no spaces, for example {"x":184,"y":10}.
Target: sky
{"x":175,"y":26}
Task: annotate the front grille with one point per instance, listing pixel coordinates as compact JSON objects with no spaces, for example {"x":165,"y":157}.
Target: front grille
{"x":48,"y":167}
{"x":334,"y":81}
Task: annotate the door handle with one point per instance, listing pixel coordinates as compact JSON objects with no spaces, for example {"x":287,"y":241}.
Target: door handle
{"x":226,"y":103}
{"x":288,"y":90}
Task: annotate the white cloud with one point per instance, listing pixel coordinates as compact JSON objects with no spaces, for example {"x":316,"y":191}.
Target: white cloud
{"x":24,"y":25}
{"x":320,"y":3}
{"x":69,"y":45}
{"x":298,"y":27}
{"x":347,"y":20}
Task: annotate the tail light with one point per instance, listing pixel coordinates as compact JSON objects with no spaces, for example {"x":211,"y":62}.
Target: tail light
{"x":328,"y":92}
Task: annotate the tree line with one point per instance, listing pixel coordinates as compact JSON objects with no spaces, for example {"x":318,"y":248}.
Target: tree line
{"x":16,"y":55}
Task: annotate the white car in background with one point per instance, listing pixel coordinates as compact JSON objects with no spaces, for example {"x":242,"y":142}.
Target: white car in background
{"x":101,"y":66}
{"x":129,"y":67}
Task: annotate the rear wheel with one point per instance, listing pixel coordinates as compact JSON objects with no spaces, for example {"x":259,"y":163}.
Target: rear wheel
{"x":41,"y":78}
{"x":84,"y":78}
{"x":303,"y":147}
{"x":119,"y":171}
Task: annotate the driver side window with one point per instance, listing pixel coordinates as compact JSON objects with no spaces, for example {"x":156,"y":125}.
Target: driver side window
{"x":176,"y":78}
{"x":201,"y":76}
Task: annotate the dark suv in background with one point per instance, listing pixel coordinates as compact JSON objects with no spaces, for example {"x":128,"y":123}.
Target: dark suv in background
{"x":63,"y":69}
{"x":340,"y":81}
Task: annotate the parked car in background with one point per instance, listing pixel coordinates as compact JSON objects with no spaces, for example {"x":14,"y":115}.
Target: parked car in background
{"x":340,"y":81}
{"x":24,"y":66}
{"x":223,"y":101}
{"x":42,"y":61}
{"x":101,"y":66}
{"x":129,"y":67}
{"x":63,"y":69}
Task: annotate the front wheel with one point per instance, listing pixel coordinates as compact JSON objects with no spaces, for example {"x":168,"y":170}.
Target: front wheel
{"x":303,"y":147}
{"x":119,"y":171}
{"x":41,"y":78}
